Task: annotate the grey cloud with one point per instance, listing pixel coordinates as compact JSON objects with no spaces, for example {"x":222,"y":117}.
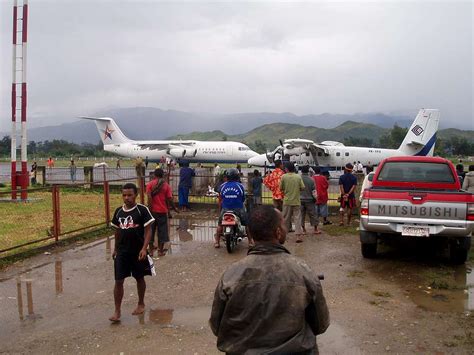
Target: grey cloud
{"x":245,"y":57}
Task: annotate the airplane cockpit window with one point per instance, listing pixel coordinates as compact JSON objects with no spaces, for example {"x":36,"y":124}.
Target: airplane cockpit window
{"x":244,"y":148}
{"x":320,"y":154}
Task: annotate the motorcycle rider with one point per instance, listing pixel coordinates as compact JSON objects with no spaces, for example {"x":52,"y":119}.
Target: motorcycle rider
{"x":232,"y":195}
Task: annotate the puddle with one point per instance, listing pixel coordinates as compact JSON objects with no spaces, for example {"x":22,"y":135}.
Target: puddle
{"x":190,"y":230}
{"x":452,"y":293}
{"x":433,"y":288}
{"x":45,"y":291}
{"x":191,"y":317}
{"x":185,"y":230}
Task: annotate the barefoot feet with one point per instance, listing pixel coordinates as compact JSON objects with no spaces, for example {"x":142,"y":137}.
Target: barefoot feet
{"x":115,"y":318}
{"x":139,"y":310}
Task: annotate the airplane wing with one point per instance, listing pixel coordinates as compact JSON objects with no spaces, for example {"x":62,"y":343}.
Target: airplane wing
{"x":165,"y":145}
{"x":153,"y":146}
{"x":318,"y":148}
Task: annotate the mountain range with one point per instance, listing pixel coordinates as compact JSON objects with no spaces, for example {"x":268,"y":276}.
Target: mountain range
{"x":153,"y":123}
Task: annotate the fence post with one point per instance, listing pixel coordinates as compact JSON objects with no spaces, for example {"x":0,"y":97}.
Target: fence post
{"x":42,"y":172}
{"x":88,"y":176}
{"x":56,"y":213}
{"x":107,"y":202}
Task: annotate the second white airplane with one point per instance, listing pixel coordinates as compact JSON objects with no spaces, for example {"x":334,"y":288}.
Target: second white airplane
{"x":191,"y":151}
{"x":329,"y":155}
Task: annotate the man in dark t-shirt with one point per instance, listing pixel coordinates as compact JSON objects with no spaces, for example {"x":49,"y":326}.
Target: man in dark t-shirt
{"x":347,"y":185}
{"x":132,"y":224}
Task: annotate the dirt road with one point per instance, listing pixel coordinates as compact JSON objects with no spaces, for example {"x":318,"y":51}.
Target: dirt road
{"x":395,"y":304}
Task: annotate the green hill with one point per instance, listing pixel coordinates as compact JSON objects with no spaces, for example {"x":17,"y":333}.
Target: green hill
{"x":270,"y":134}
{"x":454,"y":132}
{"x":350,"y":132}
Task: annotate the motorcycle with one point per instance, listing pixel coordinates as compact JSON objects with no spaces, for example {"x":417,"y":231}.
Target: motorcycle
{"x":233,"y":230}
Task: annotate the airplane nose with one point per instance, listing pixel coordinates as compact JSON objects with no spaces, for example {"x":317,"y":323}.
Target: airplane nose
{"x":252,"y":154}
{"x":258,"y":160}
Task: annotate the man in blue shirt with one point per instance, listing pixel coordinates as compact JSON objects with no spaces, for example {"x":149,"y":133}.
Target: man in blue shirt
{"x":186,"y":175}
{"x":232,"y":195}
{"x":347,"y":185}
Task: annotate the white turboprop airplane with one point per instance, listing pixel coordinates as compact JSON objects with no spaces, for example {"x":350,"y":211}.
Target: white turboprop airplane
{"x":329,"y":155}
{"x":180,"y":150}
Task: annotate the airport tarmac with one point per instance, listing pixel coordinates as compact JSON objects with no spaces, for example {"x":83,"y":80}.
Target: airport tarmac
{"x":60,"y":302}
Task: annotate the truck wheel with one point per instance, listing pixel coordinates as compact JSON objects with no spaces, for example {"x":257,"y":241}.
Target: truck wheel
{"x":459,"y":249}
{"x":369,"y":250}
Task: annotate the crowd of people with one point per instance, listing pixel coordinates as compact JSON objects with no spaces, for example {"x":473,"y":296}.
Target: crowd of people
{"x":300,"y":195}
{"x":246,"y":289}
{"x":246,"y":293}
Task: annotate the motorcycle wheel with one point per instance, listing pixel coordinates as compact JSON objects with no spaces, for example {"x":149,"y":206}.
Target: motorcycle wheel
{"x":230,"y":242}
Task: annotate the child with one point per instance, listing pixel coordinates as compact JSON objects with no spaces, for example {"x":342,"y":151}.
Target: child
{"x":132,"y":236}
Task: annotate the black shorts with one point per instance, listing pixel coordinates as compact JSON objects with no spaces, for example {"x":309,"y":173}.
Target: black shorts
{"x":350,"y":202}
{"x":126,"y":265}
{"x":160,"y":225}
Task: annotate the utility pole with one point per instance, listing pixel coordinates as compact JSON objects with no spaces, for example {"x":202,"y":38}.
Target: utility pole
{"x":20,"y":30}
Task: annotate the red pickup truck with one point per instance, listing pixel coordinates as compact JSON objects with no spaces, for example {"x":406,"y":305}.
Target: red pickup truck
{"x":417,"y":197}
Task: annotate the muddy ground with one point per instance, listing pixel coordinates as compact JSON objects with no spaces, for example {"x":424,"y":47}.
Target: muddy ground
{"x":399,"y":303}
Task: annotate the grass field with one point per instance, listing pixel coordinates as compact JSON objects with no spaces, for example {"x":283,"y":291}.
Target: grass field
{"x":24,"y":222}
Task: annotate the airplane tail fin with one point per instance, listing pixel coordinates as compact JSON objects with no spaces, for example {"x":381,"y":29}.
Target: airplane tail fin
{"x":109,"y":131}
{"x":421,"y":137}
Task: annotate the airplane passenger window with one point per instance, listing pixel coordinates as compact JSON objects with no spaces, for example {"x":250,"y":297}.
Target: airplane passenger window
{"x":347,"y":154}
{"x":338,"y":154}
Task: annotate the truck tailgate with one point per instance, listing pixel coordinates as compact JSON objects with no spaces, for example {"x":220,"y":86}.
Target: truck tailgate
{"x":440,"y":212}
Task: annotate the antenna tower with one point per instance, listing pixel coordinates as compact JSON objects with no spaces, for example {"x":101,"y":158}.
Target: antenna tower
{"x":20,"y":27}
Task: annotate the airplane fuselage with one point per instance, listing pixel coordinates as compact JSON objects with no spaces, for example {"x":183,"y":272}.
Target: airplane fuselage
{"x":196,"y":151}
{"x":341,"y":155}
{"x":335,"y":157}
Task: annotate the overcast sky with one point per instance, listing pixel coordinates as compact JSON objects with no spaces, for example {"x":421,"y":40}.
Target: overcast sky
{"x":226,"y":57}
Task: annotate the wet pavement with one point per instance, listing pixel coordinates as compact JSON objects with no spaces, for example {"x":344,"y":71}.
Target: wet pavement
{"x":61,"y":302}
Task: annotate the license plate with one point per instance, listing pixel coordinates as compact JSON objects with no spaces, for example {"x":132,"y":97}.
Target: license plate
{"x":415,"y":231}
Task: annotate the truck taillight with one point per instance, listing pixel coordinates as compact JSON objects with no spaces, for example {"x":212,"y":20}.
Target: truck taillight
{"x":470,"y":212}
{"x":364,"y":207}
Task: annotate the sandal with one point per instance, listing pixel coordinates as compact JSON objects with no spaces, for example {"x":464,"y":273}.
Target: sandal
{"x":217,"y":245}
{"x":317,"y":232}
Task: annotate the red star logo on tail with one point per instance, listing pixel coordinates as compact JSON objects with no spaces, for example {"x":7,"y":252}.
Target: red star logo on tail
{"x":108,"y":133}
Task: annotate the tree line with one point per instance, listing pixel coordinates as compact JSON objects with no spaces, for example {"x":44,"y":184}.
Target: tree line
{"x":56,"y":148}
{"x":452,"y":146}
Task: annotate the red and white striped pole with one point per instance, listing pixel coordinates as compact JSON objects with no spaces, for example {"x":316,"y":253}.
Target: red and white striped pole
{"x":24,"y":156}
{"x":13,"y":135}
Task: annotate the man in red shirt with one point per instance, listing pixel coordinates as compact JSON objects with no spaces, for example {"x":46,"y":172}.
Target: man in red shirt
{"x":160,"y":200}
{"x":322,"y":186}
{"x":272,"y":182}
